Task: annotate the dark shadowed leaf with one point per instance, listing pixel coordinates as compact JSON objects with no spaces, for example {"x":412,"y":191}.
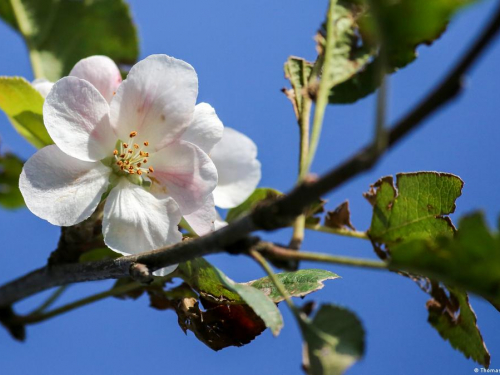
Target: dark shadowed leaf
{"x":298,"y":283}
{"x":415,"y":208}
{"x":216,"y":287}
{"x":334,"y":341}
{"x":23,"y":106}
{"x":59,"y":33}
{"x":470,"y":259}
{"x":10,"y":169}
{"x":259,"y":195}
{"x":219,"y":326}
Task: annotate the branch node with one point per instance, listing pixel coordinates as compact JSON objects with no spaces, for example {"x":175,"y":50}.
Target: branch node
{"x":140,"y":272}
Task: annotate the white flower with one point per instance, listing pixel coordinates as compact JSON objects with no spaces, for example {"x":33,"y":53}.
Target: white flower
{"x":234,"y":155}
{"x":124,"y":139}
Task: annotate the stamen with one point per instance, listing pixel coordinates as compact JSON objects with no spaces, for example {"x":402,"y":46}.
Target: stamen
{"x":130,"y":151}
{"x":133,"y":134}
{"x":146,"y":143}
{"x":122,"y":155}
{"x":145,"y":161}
{"x":125,"y":145}
{"x":139,"y":172}
{"x":136,"y":146}
{"x":115,"y":152}
{"x":139,"y":165}
{"x":151,"y":169}
{"x":120,"y":163}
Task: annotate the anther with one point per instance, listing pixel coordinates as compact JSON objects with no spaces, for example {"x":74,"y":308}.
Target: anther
{"x":122,"y":155}
{"x":139,"y":165}
{"x":125,"y":145}
{"x":133,"y":134}
{"x":115,"y":152}
{"x":145,"y":161}
{"x":130,"y":151}
{"x":120,"y":163}
{"x":139,"y":172}
{"x":136,"y":146}
{"x":146,"y":143}
{"x":151,"y":169}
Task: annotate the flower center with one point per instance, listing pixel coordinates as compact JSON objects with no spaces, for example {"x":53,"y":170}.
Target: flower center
{"x":131,"y":157}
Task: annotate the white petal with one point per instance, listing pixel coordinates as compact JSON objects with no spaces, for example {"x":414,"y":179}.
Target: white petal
{"x":205,"y":131}
{"x":219,"y":222}
{"x":77,"y":118}
{"x":157,"y":100}
{"x":235,"y":157}
{"x":61,"y":189}
{"x":136,"y":221}
{"x":188,"y":174}
{"x":101,"y":72}
{"x":42,"y":85}
{"x":202,"y":220}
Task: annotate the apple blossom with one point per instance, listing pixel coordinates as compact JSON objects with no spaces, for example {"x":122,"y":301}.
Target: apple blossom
{"x":123,"y":141}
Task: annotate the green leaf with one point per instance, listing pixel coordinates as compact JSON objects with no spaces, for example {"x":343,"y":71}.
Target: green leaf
{"x":10,"y":169}
{"x":204,"y":278}
{"x":348,"y":55}
{"x":60,"y":33}
{"x":470,"y":259}
{"x":298,"y":283}
{"x":297,"y":71}
{"x":214,"y":286}
{"x":456,"y":322}
{"x":259,"y":195}
{"x":100,"y":253}
{"x":415,"y":208}
{"x":406,"y":25}
{"x":23,"y":106}
{"x":334,"y":341}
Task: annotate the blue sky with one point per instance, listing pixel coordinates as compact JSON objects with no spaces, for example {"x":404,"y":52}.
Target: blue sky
{"x":238,"y":50}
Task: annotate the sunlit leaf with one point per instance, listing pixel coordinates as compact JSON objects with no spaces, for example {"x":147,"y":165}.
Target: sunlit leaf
{"x":60,"y":33}
{"x":23,"y":106}
{"x":415,"y":208}
{"x":298,"y":283}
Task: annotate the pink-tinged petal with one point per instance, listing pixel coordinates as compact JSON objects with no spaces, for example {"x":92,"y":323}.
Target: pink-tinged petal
{"x":77,"y":118}
{"x":61,"y":189}
{"x":42,"y":85}
{"x":202,"y":220}
{"x":205,"y":131}
{"x":101,"y":72}
{"x":187,"y":173}
{"x":235,"y":157}
{"x":157,"y":100}
{"x":136,"y":221}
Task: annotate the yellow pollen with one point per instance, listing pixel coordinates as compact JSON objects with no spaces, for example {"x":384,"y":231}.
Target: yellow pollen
{"x":151,"y":169}
{"x":136,"y":146}
{"x":146,"y":143}
{"x":133,"y":134}
{"x":141,"y":153}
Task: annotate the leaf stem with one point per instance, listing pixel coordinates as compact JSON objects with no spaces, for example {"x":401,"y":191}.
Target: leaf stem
{"x":37,"y":317}
{"x":272,"y":276}
{"x":278,"y":252}
{"x":324,"y":87}
{"x":26,"y":31}
{"x":338,"y":231}
{"x":50,"y":301}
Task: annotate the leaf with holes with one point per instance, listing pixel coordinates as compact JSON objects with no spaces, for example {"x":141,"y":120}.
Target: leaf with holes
{"x":415,"y":208}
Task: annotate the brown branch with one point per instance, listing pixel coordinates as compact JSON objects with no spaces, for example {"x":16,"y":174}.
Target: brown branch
{"x":271,"y":216}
